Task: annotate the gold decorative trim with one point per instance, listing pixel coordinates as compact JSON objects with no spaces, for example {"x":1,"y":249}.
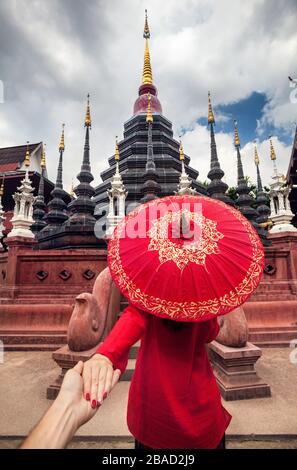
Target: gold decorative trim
{"x":187,"y":311}
{"x":195,"y":251}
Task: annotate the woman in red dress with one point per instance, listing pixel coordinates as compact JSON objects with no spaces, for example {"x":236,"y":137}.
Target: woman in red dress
{"x":178,"y":282}
{"x":174,"y":401}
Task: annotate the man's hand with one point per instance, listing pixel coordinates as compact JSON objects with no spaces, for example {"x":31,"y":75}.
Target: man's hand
{"x":99,"y":379}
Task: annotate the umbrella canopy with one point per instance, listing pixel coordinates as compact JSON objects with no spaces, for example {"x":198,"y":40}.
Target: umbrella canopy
{"x":186,"y":258}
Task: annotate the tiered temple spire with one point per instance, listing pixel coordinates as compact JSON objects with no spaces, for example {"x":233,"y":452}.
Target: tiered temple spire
{"x":244,"y":200}
{"x":57,"y":208}
{"x":216,"y":188}
{"x":82,"y":207}
{"x":147,"y":85}
{"x":150,"y":187}
{"x":117,"y":196}
{"x":261,"y":199}
{"x":22,"y":216}
{"x":39,"y":205}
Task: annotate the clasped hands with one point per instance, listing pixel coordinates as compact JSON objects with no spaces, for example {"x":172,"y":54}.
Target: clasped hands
{"x":87,"y":385}
{"x":83,"y":390}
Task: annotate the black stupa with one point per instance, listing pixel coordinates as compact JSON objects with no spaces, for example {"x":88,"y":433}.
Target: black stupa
{"x":134,"y":148}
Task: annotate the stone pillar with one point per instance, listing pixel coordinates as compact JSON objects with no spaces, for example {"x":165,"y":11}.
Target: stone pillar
{"x":233,"y":360}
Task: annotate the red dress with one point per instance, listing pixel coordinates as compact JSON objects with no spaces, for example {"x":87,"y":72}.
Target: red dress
{"x":174,"y":401}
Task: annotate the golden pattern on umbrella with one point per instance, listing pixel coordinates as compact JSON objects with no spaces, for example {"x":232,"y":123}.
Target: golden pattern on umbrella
{"x":204,"y":242}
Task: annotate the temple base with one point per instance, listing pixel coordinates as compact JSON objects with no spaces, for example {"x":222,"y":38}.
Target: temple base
{"x":234,"y":369}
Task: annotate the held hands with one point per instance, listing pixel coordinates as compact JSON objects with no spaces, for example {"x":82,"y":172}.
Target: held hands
{"x":99,"y":378}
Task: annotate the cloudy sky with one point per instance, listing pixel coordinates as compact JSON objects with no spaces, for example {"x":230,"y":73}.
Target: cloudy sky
{"x":54,"y":52}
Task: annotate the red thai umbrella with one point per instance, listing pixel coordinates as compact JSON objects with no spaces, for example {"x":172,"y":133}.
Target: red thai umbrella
{"x":187,"y":258}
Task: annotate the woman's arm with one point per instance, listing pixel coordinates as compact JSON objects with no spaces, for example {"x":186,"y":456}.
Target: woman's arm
{"x":112,"y":354}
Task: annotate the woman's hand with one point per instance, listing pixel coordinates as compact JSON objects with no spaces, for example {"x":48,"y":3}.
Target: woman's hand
{"x":99,"y":378}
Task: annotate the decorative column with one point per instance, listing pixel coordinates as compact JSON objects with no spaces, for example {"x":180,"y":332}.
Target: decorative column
{"x":57,"y":208}
{"x":82,"y":207}
{"x":39,"y":205}
{"x":2,"y":215}
{"x":150,"y":188}
{"x":244,"y":200}
{"x":23,"y":210}
{"x":281,"y":214}
{"x":117,"y":197}
{"x":184,"y":186}
{"x":217,"y":188}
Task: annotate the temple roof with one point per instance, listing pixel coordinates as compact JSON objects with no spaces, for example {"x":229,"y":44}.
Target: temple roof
{"x":12,"y":158}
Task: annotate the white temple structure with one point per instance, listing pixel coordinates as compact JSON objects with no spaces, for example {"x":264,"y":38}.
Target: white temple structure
{"x":281,"y":214}
{"x":117,"y":198}
{"x":23,"y":210}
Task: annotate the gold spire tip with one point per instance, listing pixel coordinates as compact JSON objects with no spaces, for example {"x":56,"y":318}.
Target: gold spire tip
{"x":272,"y":151}
{"x":149,"y":116}
{"x":257,"y":160}
{"x":236,"y":135}
{"x":210,"y":118}
{"x":117,"y":152}
{"x":62,"y":141}
{"x":146,"y":31}
{"x":181,"y":151}
{"x":147,"y":76}
{"x":43,"y":161}
{"x":27,"y":157}
{"x":88,"y":120}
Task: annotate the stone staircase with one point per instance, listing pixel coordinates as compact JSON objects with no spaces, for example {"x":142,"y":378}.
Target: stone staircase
{"x":272,"y":337}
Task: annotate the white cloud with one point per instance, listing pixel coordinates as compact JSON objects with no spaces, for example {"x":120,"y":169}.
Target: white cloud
{"x":54,"y":53}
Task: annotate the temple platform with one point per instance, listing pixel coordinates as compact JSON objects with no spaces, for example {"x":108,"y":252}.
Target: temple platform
{"x":260,"y":423}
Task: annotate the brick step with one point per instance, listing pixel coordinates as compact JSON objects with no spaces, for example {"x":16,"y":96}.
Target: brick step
{"x":272,"y":297}
{"x":33,"y":341}
{"x":280,"y":338}
{"x":279,"y":329}
{"x":271,"y":344}
{"x":33,"y":347}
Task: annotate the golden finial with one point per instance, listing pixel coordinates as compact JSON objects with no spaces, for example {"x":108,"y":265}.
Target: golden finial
{"x":272,"y":151}
{"x":146,"y":31}
{"x":149,"y":116}
{"x":62,"y":141}
{"x":27,"y":157}
{"x":181,"y":151}
{"x":117,"y":152}
{"x":43,"y":161}
{"x":257,"y":160}
{"x":211,"y":118}
{"x":236,"y":135}
{"x":2,"y":188}
{"x":88,"y":121}
{"x":147,"y":76}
